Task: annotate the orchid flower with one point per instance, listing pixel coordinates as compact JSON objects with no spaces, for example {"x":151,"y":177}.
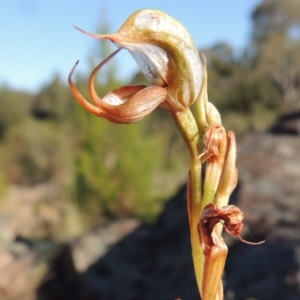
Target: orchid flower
{"x":166,"y":54}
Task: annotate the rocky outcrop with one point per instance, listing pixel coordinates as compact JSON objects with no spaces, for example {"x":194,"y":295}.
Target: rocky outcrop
{"x":269,"y":195}
{"x":288,"y":123}
{"x":154,"y":262}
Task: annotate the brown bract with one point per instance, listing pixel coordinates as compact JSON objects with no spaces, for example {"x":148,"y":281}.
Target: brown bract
{"x":215,"y":143}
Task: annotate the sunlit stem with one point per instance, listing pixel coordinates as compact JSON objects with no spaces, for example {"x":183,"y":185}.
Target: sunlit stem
{"x":189,"y":130}
{"x":201,"y":104}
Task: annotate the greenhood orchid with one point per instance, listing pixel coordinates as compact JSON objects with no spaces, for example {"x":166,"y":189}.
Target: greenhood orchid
{"x":167,"y":56}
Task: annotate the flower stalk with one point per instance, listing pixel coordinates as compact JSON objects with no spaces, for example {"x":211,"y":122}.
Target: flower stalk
{"x":169,"y":59}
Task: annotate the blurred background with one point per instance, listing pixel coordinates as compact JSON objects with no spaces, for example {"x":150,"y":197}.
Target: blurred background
{"x":72,"y":185}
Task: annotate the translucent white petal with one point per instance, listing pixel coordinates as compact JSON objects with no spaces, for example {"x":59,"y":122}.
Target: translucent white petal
{"x":152,"y":60}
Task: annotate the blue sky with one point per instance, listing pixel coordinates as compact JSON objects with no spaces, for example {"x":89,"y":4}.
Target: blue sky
{"x":37,"y":38}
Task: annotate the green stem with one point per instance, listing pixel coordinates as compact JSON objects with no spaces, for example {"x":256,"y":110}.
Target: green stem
{"x":187,"y":126}
{"x":201,"y":103}
{"x":189,"y":131}
{"x":194,"y":209}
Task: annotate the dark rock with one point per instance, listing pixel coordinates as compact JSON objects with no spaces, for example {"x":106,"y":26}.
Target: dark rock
{"x":268,"y":194}
{"x":288,"y":123}
{"x":154,"y":262}
{"x":62,"y":280}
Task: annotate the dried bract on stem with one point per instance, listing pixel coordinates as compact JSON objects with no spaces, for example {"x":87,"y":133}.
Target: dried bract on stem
{"x":230,"y":216}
